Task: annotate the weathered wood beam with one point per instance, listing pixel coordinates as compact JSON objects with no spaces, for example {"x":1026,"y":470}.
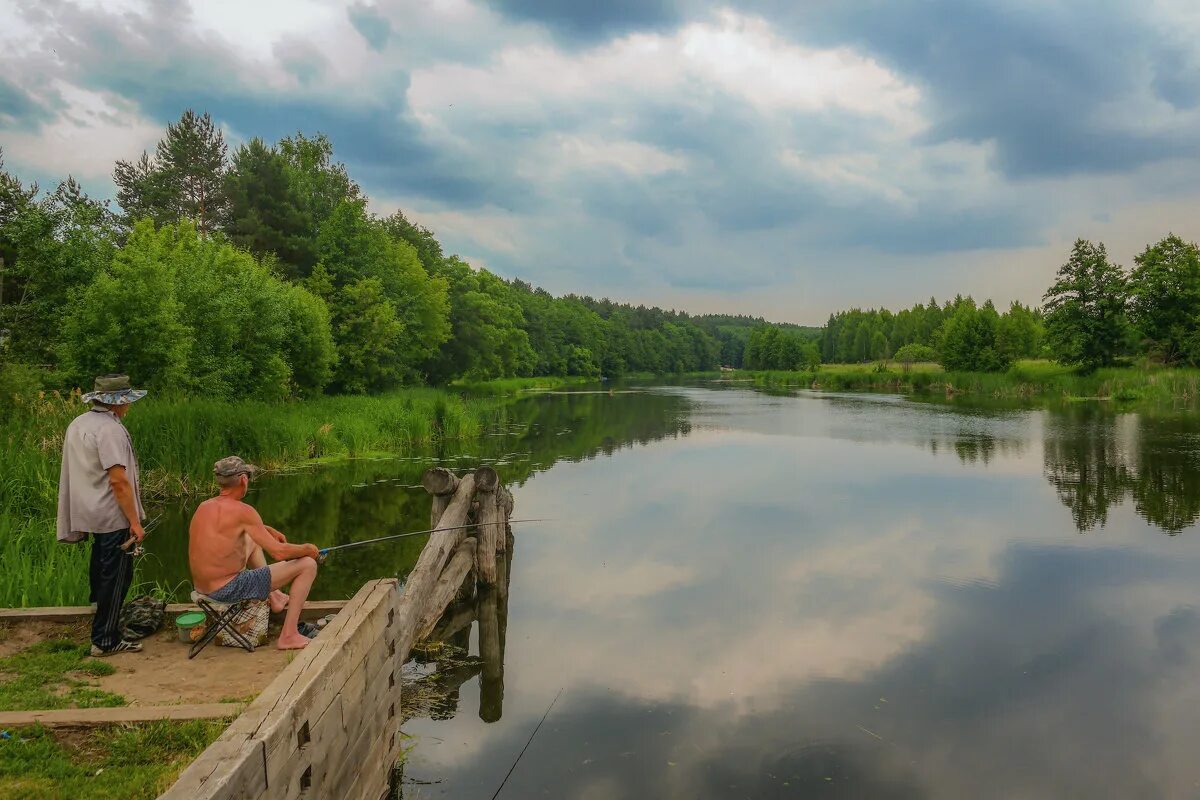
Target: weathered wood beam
{"x":425,"y":573}
{"x":441,"y":483}
{"x":447,"y":586}
{"x":491,"y":521}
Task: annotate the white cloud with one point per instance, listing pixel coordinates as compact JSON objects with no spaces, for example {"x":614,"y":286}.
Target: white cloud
{"x":85,"y":140}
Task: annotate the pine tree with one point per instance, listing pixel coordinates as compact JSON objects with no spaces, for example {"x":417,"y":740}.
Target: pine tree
{"x":193,"y":157}
{"x":184,"y":179}
{"x":264,"y":210}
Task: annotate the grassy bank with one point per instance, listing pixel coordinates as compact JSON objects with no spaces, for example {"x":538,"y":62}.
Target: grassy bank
{"x":177,"y":442}
{"x":1025,"y":379}
{"x":127,"y":762}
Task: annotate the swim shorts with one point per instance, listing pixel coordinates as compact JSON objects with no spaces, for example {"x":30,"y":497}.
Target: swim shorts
{"x":249,"y":584}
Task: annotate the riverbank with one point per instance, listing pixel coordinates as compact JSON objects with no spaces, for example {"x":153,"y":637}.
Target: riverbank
{"x":124,"y":762}
{"x":1025,"y":379}
{"x":177,"y":441}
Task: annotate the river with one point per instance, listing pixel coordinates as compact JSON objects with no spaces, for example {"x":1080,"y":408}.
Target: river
{"x":745,"y":594}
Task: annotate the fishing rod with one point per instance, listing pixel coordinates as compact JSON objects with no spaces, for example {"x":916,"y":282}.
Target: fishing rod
{"x":327,"y":550}
{"x":500,"y":788}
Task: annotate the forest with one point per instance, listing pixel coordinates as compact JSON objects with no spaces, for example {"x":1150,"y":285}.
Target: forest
{"x":261,"y":274}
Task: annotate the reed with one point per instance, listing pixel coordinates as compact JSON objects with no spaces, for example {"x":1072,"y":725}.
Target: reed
{"x":1025,"y":379}
{"x":178,"y":440}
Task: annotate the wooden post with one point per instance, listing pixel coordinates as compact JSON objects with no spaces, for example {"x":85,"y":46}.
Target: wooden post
{"x":441,"y":483}
{"x":504,"y":499}
{"x":491,"y":682}
{"x":447,"y":586}
{"x":491,"y":524}
{"x":430,"y":564}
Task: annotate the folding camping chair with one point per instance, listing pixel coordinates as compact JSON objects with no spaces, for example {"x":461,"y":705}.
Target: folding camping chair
{"x":220,"y":618}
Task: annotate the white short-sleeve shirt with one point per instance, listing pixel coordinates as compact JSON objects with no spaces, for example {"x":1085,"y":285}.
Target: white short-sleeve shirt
{"x":94,"y":441}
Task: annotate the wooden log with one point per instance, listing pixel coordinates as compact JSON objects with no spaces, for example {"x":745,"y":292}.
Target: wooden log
{"x":491,"y":530}
{"x":491,"y":681}
{"x":504,"y":500}
{"x":442,"y":484}
{"x":410,"y":609}
{"x":457,"y":619}
{"x":487,"y":479}
{"x":447,"y":586}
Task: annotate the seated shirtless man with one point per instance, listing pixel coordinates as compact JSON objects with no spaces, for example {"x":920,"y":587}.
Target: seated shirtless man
{"x":225,"y":550}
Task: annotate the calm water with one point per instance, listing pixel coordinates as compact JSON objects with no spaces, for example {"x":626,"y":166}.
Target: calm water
{"x":761,"y":596}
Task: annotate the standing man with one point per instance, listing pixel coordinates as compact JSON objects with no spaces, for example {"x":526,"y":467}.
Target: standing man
{"x":98,"y":495}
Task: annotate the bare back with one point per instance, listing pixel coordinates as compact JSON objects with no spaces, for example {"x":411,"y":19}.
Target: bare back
{"x":218,"y":541}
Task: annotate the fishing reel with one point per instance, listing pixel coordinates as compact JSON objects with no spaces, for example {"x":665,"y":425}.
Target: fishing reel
{"x":137,"y":550}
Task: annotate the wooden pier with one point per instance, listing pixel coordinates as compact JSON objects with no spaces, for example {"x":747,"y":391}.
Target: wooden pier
{"x":329,"y":724}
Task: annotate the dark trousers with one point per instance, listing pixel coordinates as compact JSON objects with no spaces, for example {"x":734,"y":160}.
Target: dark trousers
{"x":111,"y":574}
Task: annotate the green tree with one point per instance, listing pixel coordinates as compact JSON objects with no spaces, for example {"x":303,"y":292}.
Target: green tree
{"x":184,"y":180}
{"x":197,"y":315}
{"x":264,"y":211}
{"x":969,"y":339}
{"x":913,"y":353}
{"x":1019,"y":332}
{"x":357,"y":253}
{"x":51,"y":246}
{"x":1085,"y":308}
{"x":1164,"y":303}
{"x":128,"y":318}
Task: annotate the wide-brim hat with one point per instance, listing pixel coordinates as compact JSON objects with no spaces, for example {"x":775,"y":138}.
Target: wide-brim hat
{"x":113,"y":390}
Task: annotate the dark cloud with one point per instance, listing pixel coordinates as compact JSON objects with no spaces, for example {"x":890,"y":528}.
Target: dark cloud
{"x":371,"y":24}
{"x":1046,"y":83}
{"x":302,"y":59}
{"x":19,"y":109}
{"x":592,"y":21}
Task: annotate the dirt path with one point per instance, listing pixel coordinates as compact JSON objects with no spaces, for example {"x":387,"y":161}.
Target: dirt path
{"x":162,"y":674}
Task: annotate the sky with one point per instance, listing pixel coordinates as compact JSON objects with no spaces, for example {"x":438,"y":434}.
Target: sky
{"x":771,"y":157}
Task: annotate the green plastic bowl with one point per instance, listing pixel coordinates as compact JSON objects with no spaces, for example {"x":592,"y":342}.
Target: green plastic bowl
{"x":185,"y":622}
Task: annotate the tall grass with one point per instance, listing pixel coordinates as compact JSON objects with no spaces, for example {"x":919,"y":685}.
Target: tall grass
{"x":177,"y":441}
{"x":1025,"y":379}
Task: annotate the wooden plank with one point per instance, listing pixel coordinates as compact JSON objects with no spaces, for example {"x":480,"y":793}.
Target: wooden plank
{"x":86,"y":717}
{"x":313,"y":609}
{"x":341,"y":656}
{"x":374,"y":714}
{"x":373,"y":778}
{"x":239,"y":757}
{"x":226,"y":770}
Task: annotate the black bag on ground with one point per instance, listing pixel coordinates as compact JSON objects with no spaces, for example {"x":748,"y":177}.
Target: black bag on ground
{"x":142,"y":616}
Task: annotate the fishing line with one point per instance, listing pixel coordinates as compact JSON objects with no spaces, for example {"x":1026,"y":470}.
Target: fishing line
{"x":526,"y":747}
{"x":327,"y":550}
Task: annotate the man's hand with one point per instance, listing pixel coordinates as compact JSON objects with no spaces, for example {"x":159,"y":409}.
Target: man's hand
{"x":311,"y":551}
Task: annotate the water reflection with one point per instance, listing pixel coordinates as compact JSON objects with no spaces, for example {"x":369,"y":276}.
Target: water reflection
{"x":1096,"y":460}
{"x":366,"y":498}
{"x":848,"y":597}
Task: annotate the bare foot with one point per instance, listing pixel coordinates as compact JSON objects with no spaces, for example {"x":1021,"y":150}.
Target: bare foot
{"x":293,"y":641}
{"x":279,"y":601}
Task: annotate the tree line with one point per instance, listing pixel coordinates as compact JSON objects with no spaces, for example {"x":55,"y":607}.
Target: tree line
{"x":261,"y":273}
{"x":1095,"y":314}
